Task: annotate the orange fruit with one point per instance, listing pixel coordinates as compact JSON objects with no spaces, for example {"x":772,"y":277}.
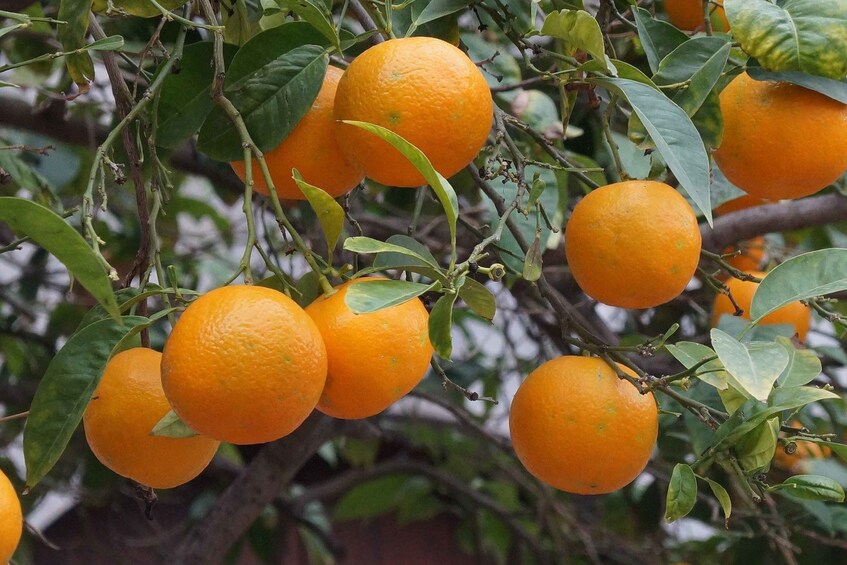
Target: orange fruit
{"x":312,"y":149}
{"x":578,"y":427}
{"x":780,"y":140}
{"x":244,"y":364}
{"x":740,"y":203}
{"x":688,"y":15}
{"x":795,"y":313}
{"x":633,"y":244}
{"x":751,"y":257}
{"x":127,"y":404}
{"x":11,"y":519}
{"x":423,"y":89}
{"x":374,"y":359}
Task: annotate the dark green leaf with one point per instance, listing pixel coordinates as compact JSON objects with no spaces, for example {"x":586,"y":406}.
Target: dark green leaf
{"x":316,"y":13}
{"x":436,"y":9}
{"x":72,"y":36}
{"x":658,"y":38}
{"x":51,"y":232}
{"x":698,"y":62}
{"x":794,"y":35}
{"x":171,"y":426}
{"x":752,"y":367}
{"x":372,"y":498}
{"x":329,"y":212}
{"x":675,"y":137}
{"x":441,"y":325}
{"x":835,"y":89}
{"x":811,"y":487}
{"x":755,"y":450}
{"x":682,"y":493}
{"x":804,"y":276}
{"x":441,"y":186}
{"x":185,"y":98}
{"x":422,"y":256}
{"x":66,"y":388}
{"x":273,"y":81}
{"x":478,"y":298}
{"x":373,"y":296}
{"x":360,"y":244}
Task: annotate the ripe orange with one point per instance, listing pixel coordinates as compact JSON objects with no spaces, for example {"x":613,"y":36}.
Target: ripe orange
{"x":780,"y":140}
{"x":740,"y":203}
{"x":312,"y":149}
{"x":375,"y":358}
{"x":752,"y":254}
{"x":688,"y":15}
{"x":423,"y":89}
{"x":244,"y":364}
{"x":11,"y":519}
{"x":795,"y":313}
{"x":633,"y":244}
{"x":128,"y":403}
{"x":578,"y":427}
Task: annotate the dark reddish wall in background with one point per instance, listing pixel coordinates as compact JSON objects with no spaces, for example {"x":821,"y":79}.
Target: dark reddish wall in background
{"x":118,"y":534}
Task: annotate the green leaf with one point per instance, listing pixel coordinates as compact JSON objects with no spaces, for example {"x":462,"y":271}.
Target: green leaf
{"x":690,"y":354}
{"x":373,"y":498}
{"x":373,"y":296}
{"x":699,"y":62}
{"x":682,"y":493}
{"x":794,"y":35}
{"x":186,"y":97}
{"x":443,"y":189}
{"x":803,"y":365}
{"x":238,"y":27}
{"x":658,"y":38}
{"x":752,"y":367}
{"x":755,"y":450}
{"x":72,"y":36}
{"x":361,"y":244}
{"x":675,"y":136}
{"x":436,"y":9}
{"x":811,"y":487}
{"x":805,"y":276}
{"x":316,"y":13}
{"x":273,"y":81}
{"x":478,"y":298}
{"x":441,"y":325}
{"x":753,"y":412}
{"x":723,"y":498}
{"x":329,"y":212}
{"x":51,"y":232}
{"x":171,"y":426}
{"x":111,"y":43}
{"x":66,"y":388}
{"x":532,"y":263}
{"x":422,"y":255}
{"x":577,"y":30}
{"x":835,"y":89}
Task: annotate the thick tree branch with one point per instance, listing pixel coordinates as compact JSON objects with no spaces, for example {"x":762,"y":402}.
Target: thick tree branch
{"x":783,"y":216}
{"x":259,"y":484}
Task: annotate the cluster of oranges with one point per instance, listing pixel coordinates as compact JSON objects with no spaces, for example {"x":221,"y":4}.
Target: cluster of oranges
{"x":425,"y":90}
{"x":246,"y":365}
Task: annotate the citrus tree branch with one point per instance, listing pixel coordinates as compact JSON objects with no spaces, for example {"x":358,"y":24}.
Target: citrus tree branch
{"x":783,"y":216}
{"x":261,"y":482}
